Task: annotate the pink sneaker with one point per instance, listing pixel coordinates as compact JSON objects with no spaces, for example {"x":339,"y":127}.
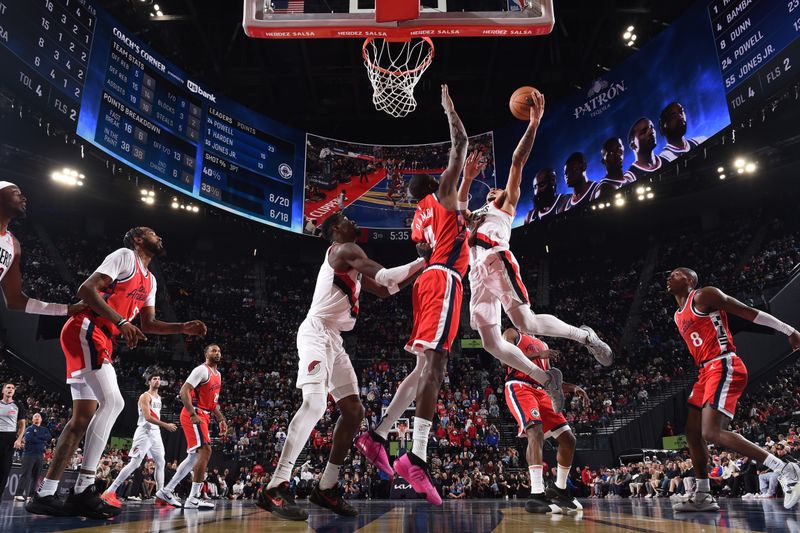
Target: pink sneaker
{"x":373,"y":449}
{"x":418,"y":477}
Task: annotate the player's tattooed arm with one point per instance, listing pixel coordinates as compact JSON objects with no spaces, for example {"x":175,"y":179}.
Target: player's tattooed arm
{"x":523,"y":150}
{"x":458,"y":153}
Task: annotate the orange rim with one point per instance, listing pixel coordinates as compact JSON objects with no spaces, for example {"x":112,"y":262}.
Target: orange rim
{"x":425,"y":64}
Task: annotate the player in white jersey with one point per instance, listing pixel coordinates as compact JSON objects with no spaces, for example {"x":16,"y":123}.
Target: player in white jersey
{"x":13,"y":204}
{"x":147,"y":438}
{"x":325,"y":367}
{"x":495,"y":279}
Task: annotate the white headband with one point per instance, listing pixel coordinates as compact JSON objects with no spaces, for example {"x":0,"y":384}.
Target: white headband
{"x":4,"y":184}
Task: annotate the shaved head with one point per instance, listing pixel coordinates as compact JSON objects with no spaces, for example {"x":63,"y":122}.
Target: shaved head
{"x":691,"y":274}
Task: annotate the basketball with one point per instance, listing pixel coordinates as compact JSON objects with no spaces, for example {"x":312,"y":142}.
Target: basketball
{"x":521,"y":102}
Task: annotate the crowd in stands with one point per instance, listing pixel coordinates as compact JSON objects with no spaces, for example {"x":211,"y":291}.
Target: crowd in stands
{"x":253,"y":309}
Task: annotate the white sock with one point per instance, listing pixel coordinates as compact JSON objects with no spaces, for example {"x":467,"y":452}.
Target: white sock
{"x":311,"y":411}
{"x":405,"y":394}
{"x":330,"y":476}
{"x":84,"y":482}
{"x":773,"y":463}
{"x":48,"y":487}
{"x":537,"y":479}
{"x":183,"y":470}
{"x":562,"y":472}
{"x":702,"y":485}
{"x":422,"y":429}
{"x":196,"y":490}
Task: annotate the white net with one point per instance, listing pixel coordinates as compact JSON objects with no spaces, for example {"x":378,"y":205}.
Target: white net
{"x":394,"y":68}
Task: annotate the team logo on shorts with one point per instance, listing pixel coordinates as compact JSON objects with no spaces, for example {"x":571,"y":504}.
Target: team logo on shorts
{"x":535,"y":413}
{"x":314,"y":368}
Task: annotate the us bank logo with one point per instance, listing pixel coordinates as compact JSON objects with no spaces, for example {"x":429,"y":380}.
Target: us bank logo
{"x":600,"y":96}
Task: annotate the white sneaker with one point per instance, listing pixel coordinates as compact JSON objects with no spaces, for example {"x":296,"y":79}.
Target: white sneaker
{"x":168,"y":497}
{"x":789,"y":479}
{"x":19,"y":498}
{"x":134,"y":498}
{"x":698,"y":502}
{"x":553,"y":388}
{"x":599,"y":349}
{"x":197,"y":503}
{"x":678,"y":498}
{"x":748,"y":496}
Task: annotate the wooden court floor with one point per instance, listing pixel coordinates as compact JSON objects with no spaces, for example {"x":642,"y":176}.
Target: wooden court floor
{"x":465,"y":516}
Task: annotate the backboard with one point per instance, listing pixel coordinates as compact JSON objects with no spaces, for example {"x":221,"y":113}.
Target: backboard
{"x":319,"y":19}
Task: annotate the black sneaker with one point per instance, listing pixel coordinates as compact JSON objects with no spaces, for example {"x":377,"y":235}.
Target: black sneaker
{"x":562,"y":498}
{"x":89,"y":504}
{"x":280,"y":502}
{"x":48,"y":505}
{"x":539,"y":504}
{"x":332,"y":499}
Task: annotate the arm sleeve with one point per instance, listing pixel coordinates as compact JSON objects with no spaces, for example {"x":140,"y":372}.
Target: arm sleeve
{"x":766,"y":319}
{"x":199,"y":375}
{"x":118,"y":264}
{"x":151,"y":297}
{"x":389,"y":277}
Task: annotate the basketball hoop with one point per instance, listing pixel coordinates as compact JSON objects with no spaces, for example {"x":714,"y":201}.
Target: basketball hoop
{"x":394,"y":68}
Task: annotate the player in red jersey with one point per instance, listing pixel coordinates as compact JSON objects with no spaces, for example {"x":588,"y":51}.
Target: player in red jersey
{"x":121,"y":288}
{"x":200,"y":396}
{"x":702,"y":320}
{"x":437,"y":305}
{"x":533,"y":410}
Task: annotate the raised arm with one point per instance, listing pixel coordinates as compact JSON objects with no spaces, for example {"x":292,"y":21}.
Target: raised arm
{"x":458,"y":154}
{"x":710,"y":299}
{"x":473,"y":167}
{"x":523,"y":151}
{"x":351,"y":256}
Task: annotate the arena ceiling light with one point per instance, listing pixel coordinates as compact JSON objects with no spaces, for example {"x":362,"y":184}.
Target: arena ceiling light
{"x":148,"y":197}
{"x":629,"y":36}
{"x":619,"y":201}
{"x":69,"y":177}
{"x":644,"y":193}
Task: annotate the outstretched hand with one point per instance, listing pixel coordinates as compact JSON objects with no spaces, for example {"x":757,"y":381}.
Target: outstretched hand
{"x":537,"y":107}
{"x":194,"y":327}
{"x":447,"y":102}
{"x":475,"y":165}
{"x":794,"y":340}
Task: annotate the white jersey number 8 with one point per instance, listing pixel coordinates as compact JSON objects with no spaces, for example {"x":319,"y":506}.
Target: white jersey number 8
{"x":696,"y":340}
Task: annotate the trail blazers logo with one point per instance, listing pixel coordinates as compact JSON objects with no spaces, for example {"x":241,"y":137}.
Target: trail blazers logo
{"x":314,"y":368}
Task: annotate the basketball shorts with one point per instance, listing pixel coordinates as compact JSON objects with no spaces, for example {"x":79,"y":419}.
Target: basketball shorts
{"x":86,"y":347}
{"x":531,"y":406}
{"x":436,"y":298}
{"x":720,"y":384}
{"x":324,"y":361}
{"x":495,"y":282}
{"x":147,"y":442}
{"x":196,"y":434}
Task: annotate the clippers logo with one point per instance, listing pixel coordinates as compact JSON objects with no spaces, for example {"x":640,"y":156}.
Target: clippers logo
{"x":193,"y":87}
{"x":600,"y":94}
{"x":535,"y":413}
{"x":314,"y":368}
{"x":285,"y":171}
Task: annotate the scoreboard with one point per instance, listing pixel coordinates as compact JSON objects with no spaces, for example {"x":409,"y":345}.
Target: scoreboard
{"x":45,"y":47}
{"x":153,"y":116}
{"x":758,"y":48}
{"x":81,"y":67}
